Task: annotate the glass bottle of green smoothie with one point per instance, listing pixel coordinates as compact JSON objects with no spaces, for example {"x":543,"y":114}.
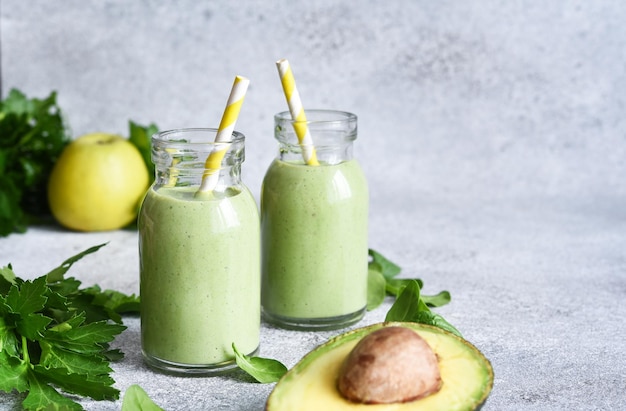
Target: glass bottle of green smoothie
{"x":314,"y":215}
{"x":199,"y":257}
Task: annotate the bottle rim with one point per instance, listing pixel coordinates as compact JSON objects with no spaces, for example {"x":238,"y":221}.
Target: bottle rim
{"x":317,"y":116}
{"x":193,"y":137}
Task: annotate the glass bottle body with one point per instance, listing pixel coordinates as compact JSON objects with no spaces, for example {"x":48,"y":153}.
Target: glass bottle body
{"x":314,"y":227}
{"x":199,"y":258}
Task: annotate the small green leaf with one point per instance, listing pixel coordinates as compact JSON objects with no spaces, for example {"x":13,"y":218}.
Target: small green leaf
{"x":7,"y":279}
{"x":96,"y":386}
{"x":114,"y":301}
{"x":32,"y":326}
{"x":136,"y":399}
{"x":406,"y":305}
{"x":264,"y":370}
{"x":434,"y":319}
{"x":114,"y":355}
{"x":375,"y":289}
{"x":388,"y":268}
{"x":57,"y":273}
{"x":53,"y":356}
{"x":28,"y":298}
{"x":65,"y":286}
{"x":13,"y":373}
{"x":395,"y":285}
{"x":8,"y":341}
{"x":87,"y":339}
{"x":411,"y":307}
{"x":42,"y":396}
{"x":438,"y":300}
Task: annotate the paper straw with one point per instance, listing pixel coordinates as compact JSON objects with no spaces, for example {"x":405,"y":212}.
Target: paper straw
{"x":173,"y":171}
{"x":224,"y":134}
{"x":297,"y":112}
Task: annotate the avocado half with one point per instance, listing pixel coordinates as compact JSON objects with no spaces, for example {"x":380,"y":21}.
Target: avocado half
{"x":312,"y":383}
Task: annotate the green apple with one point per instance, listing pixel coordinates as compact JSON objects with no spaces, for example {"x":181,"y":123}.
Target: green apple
{"x":97,"y":183}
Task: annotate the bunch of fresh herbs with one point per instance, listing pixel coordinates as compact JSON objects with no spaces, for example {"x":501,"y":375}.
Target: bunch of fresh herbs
{"x":54,"y":337}
{"x":32,"y":136}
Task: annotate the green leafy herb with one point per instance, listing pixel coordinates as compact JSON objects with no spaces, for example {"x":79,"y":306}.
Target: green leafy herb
{"x":387,"y":268}
{"x":375,"y":289}
{"x":382,"y":282}
{"x":55,"y":336}
{"x":264,"y":370}
{"x":136,"y":399}
{"x":140,"y":136}
{"x":437,"y":300}
{"x":32,"y":136}
{"x":411,"y":307}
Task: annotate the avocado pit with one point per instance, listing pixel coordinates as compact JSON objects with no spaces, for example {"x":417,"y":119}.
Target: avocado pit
{"x":390,"y":365}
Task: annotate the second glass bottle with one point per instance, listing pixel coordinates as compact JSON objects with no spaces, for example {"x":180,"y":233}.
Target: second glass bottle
{"x":314,"y":226}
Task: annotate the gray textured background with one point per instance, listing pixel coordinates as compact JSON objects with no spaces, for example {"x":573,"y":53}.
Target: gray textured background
{"x":492,"y":133}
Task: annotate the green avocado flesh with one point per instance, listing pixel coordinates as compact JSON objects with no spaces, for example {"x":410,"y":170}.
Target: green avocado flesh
{"x":312,"y":383}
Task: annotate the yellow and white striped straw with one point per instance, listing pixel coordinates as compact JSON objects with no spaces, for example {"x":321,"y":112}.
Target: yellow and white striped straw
{"x":224,"y":134}
{"x":297,"y":112}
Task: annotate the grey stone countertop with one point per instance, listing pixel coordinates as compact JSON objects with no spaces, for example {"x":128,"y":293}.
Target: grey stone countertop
{"x":537,"y":284}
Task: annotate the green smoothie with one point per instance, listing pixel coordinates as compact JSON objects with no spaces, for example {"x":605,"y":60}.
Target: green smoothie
{"x":199,"y":268}
{"x":314,"y":240}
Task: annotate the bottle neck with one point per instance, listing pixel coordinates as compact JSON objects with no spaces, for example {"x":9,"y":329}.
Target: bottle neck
{"x":327,"y":136}
{"x":188,"y":157}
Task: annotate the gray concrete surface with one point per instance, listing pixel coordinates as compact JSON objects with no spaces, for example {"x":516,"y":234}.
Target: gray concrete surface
{"x":492,"y":133}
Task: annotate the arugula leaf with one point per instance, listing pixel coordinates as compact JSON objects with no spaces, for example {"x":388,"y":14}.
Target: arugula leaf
{"x":375,"y":289}
{"x":136,"y":399}
{"x":388,"y":268}
{"x":33,"y":136}
{"x":406,"y":305}
{"x":54,"y":337}
{"x":395,"y":285}
{"x":431,"y":318}
{"x":410,"y":307}
{"x":264,"y":370}
{"x":381,"y":267}
{"x":438,"y":300}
